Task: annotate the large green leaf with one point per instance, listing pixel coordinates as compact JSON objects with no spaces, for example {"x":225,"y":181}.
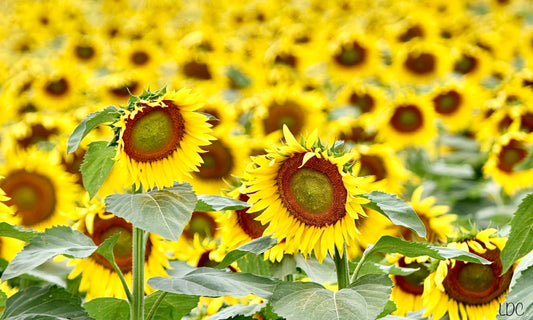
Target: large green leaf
{"x":389,"y":244}
{"x":92,"y":121}
{"x":209,"y":282}
{"x":256,"y":246}
{"x":97,"y":164}
{"x":173,"y":306}
{"x":256,"y":264}
{"x":52,"y":242}
{"x":108,"y":309}
{"x":9,"y":230}
{"x":396,"y":210}
{"x":316,"y":271}
{"x":246,"y":310}
{"x":218,"y":203}
{"x":364,"y":299}
{"x":520,"y":238}
{"x":44,"y":303}
{"x":164,"y":212}
{"x":519,"y":300}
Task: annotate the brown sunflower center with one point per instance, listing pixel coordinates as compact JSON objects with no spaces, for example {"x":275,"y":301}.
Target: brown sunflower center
{"x":410,"y":33}
{"x":511,"y":154}
{"x":124,"y":90}
{"x":33,"y":194}
{"x":465,"y":65}
{"x":84,"y":52}
{"x":364,"y":102}
{"x":526,"y":122}
{"x":139,"y":58}
{"x":351,"y":55}
{"x":414,"y":282}
{"x":218,"y":161}
{"x":253,"y":228}
{"x":357,"y":134}
{"x":313,"y":193}
{"x":473,"y":283}
{"x":201,"y":223}
{"x":447,"y":103}
{"x":290,"y":114}
{"x":197,"y":70}
{"x":407,"y":119}
{"x":57,"y":87}
{"x":105,"y":228}
{"x":372,"y":165}
{"x":154,"y":133}
{"x":286,"y":59}
{"x":420,"y":64}
{"x":38,"y":133}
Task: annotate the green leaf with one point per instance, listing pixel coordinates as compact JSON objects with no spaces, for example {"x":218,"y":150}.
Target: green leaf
{"x":246,"y":310}
{"x":97,"y":164}
{"x":256,"y":246}
{"x":210,"y":282}
{"x":397,"y":211}
{"x":370,"y":267}
{"x":390,"y":307}
{"x":52,"y":242}
{"x":520,"y":296}
{"x":209,"y":116}
{"x":108,"y":309}
{"x":316,"y":271}
{"x":389,"y":244}
{"x":44,"y":303}
{"x":287,"y":266}
{"x":173,"y":306}
{"x":3,"y":298}
{"x":93,"y":120}
{"x":106,"y":247}
{"x":255,"y":264}
{"x":519,"y":242}
{"x":164,"y":212}
{"x":239,"y":79}
{"x":364,"y":299}
{"x":218,"y":203}
{"x":8,"y":230}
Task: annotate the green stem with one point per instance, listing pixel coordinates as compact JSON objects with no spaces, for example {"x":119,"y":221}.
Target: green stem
{"x":343,"y":272}
{"x":137,"y":307}
{"x":122,"y":280}
{"x":151,"y":314}
{"x":359,"y":265}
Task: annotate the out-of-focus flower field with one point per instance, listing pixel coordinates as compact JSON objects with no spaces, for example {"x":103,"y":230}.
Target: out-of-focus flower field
{"x":433,"y":101}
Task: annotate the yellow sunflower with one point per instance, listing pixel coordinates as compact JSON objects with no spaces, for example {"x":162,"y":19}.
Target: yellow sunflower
{"x":87,"y":50}
{"x":309,"y":199}
{"x":202,"y":228}
{"x":470,"y":60}
{"x":369,"y":100}
{"x":507,"y":164}
{"x":99,"y":279}
{"x":40,"y":190}
{"x":407,"y":290}
{"x":159,"y":139}
{"x":436,"y":219}
{"x":142,"y":55}
{"x":409,"y":121}
{"x":467,"y":290}
{"x":116,"y":87}
{"x":352,"y":130}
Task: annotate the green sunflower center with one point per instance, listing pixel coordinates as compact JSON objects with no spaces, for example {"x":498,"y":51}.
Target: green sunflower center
{"x":420,"y":64}
{"x":218,"y":162}
{"x":364,"y":102}
{"x":123,"y":246}
{"x":447,"y":103}
{"x":407,"y":119}
{"x":313,"y":193}
{"x":350,"y":56}
{"x":465,"y":65}
{"x":511,"y":155}
{"x":33,"y":194}
{"x":312,"y":189}
{"x":476,"y":277}
{"x":84,"y":52}
{"x":154,"y":133}
{"x":201,"y":223}
{"x":289,"y":113}
{"x":57,"y":87}
{"x":372,"y":165}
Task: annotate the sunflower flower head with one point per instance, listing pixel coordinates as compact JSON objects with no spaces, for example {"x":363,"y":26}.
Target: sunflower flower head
{"x":309,"y":194}
{"x":467,"y":290}
{"x":160,"y":137}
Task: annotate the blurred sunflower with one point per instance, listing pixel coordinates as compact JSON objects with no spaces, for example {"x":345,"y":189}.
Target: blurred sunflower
{"x":509,"y":163}
{"x":141,"y":55}
{"x":369,"y":100}
{"x":470,"y":61}
{"x":413,"y":27}
{"x":98,"y":277}
{"x":420,"y":62}
{"x":467,"y":290}
{"x":87,"y":50}
{"x":308,"y":197}
{"x":352,"y":130}
{"x":116,"y":87}
{"x":409,"y":121}
{"x":40,"y":190}
{"x":159,"y":139}
{"x":203,"y":226}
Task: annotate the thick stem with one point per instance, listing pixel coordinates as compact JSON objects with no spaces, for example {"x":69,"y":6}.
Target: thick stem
{"x":122,"y":280}
{"x":341,"y":264}
{"x":137,"y":307}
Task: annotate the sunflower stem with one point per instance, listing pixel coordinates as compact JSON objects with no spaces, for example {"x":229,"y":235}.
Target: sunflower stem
{"x":137,"y":307}
{"x":341,"y":265}
{"x":359,"y":265}
{"x":157,"y":302}
{"x":122,"y":280}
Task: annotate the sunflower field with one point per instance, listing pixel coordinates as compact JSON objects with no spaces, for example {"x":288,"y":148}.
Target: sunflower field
{"x":299,"y":160}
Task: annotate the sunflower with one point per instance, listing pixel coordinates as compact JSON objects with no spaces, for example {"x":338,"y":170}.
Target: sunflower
{"x":508,"y":163}
{"x":40,"y":190}
{"x":413,"y":27}
{"x":159,"y":139}
{"x":371,"y":227}
{"x":408,"y":121}
{"x":203,"y":227}
{"x":470,"y":61}
{"x":369,"y":100}
{"x":381,"y":162}
{"x":86,"y":50}
{"x":436,"y":219}
{"x":140,"y":55}
{"x":352,"y":130}
{"x":99,"y":279}
{"x":116,"y":87}
{"x":407,"y":290}
{"x":468,"y":290}
{"x":308,"y":197}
